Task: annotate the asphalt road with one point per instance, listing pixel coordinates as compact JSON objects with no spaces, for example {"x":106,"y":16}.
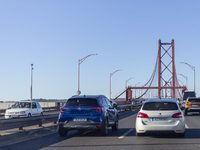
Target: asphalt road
{"x":124,"y":138}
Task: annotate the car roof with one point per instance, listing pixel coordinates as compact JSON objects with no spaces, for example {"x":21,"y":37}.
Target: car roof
{"x":86,"y":96}
{"x":193,"y":98}
{"x":161,"y":100}
{"x":189,"y":91}
{"x":26,"y":101}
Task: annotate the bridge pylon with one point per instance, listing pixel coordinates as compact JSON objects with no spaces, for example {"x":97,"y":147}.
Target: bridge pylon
{"x":166,"y":68}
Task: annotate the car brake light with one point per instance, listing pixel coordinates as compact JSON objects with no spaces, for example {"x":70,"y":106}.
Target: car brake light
{"x":63,"y":109}
{"x":177,"y":115}
{"x":142,"y":115}
{"x":97,"y":109}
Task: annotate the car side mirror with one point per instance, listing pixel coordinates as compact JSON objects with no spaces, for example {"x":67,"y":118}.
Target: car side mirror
{"x":114,"y":106}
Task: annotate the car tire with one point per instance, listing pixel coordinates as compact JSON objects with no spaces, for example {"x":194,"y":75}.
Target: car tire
{"x":29,"y":115}
{"x":181,"y":134}
{"x":138,"y":134}
{"x":115,"y":127}
{"x":62,"y":132}
{"x":104,"y":130}
{"x":186,"y":112}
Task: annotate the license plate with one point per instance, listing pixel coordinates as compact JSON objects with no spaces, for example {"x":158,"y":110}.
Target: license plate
{"x":80,"y":119}
{"x":159,"y":119}
{"x":195,"y":105}
{"x":13,"y":116}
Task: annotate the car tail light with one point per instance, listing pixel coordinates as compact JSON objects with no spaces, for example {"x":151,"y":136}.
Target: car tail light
{"x":142,"y":115}
{"x":63,"y":109}
{"x":96,"y":109}
{"x":177,"y":115}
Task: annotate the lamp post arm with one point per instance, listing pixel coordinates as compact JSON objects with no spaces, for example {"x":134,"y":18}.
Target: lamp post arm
{"x":111,"y":74}
{"x":192,"y":67}
{"x":127,"y":81}
{"x":81,"y":60}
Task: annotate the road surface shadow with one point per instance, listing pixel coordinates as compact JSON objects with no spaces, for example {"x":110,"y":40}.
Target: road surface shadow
{"x":189,"y":134}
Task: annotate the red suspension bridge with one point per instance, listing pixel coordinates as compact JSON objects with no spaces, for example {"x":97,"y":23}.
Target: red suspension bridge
{"x":163,"y":81}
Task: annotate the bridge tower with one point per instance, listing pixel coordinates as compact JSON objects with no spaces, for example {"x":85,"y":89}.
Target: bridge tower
{"x":166,"y":69}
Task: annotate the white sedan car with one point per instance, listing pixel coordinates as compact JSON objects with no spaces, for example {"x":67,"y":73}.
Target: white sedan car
{"x":160,"y":115}
{"x":24,"y":109}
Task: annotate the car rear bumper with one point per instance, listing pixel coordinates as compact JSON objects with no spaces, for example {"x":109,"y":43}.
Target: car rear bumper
{"x":80,"y":125}
{"x":178,"y":128}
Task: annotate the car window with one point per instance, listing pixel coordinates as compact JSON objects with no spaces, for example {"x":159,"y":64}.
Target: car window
{"x":82,"y":102}
{"x":188,"y":94}
{"x":38,"y":105}
{"x":34,"y":105}
{"x":22,"y":105}
{"x":104,"y":101}
{"x":108,"y":102}
{"x":194,"y":100}
{"x":160,"y":106}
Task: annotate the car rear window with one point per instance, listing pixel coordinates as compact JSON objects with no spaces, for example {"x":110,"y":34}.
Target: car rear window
{"x":82,"y":102}
{"x":188,"y":94}
{"x":194,"y":100}
{"x":160,"y":106}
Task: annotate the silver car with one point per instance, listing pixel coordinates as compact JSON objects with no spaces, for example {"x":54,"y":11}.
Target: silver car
{"x":160,"y":115}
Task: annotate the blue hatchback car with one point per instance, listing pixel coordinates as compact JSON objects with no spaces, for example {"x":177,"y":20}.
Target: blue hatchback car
{"x":87,"y":112}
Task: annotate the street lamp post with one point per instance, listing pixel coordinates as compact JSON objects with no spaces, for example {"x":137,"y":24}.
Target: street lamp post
{"x":79,"y":62}
{"x":186,"y":78}
{"x":181,"y":82}
{"x":127,"y":81}
{"x":31,"y":81}
{"x":193,"y":68}
{"x":135,"y":89}
{"x":111,"y":74}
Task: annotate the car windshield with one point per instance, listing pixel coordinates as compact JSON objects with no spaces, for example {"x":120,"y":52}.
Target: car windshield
{"x":160,"y":106}
{"x":194,"y":100}
{"x":22,"y":105}
{"x":82,"y":102}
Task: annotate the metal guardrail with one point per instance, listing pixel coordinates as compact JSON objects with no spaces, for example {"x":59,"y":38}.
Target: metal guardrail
{"x":24,"y":122}
{"x":128,"y":107}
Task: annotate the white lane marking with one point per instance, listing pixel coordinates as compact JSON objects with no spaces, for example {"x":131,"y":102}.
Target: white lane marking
{"x":126,"y":133}
{"x":186,"y":126}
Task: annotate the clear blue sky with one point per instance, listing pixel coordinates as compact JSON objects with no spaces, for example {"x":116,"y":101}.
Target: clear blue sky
{"x":53,"y":35}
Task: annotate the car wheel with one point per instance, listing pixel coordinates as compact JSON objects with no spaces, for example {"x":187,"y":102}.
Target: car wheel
{"x":115,"y":127}
{"x":185,"y":112}
{"x":181,"y":134}
{"x":138,"y":134}
{"x":29,"y":115}
{"x":104,"y":130}
{"x":62,"y":132}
